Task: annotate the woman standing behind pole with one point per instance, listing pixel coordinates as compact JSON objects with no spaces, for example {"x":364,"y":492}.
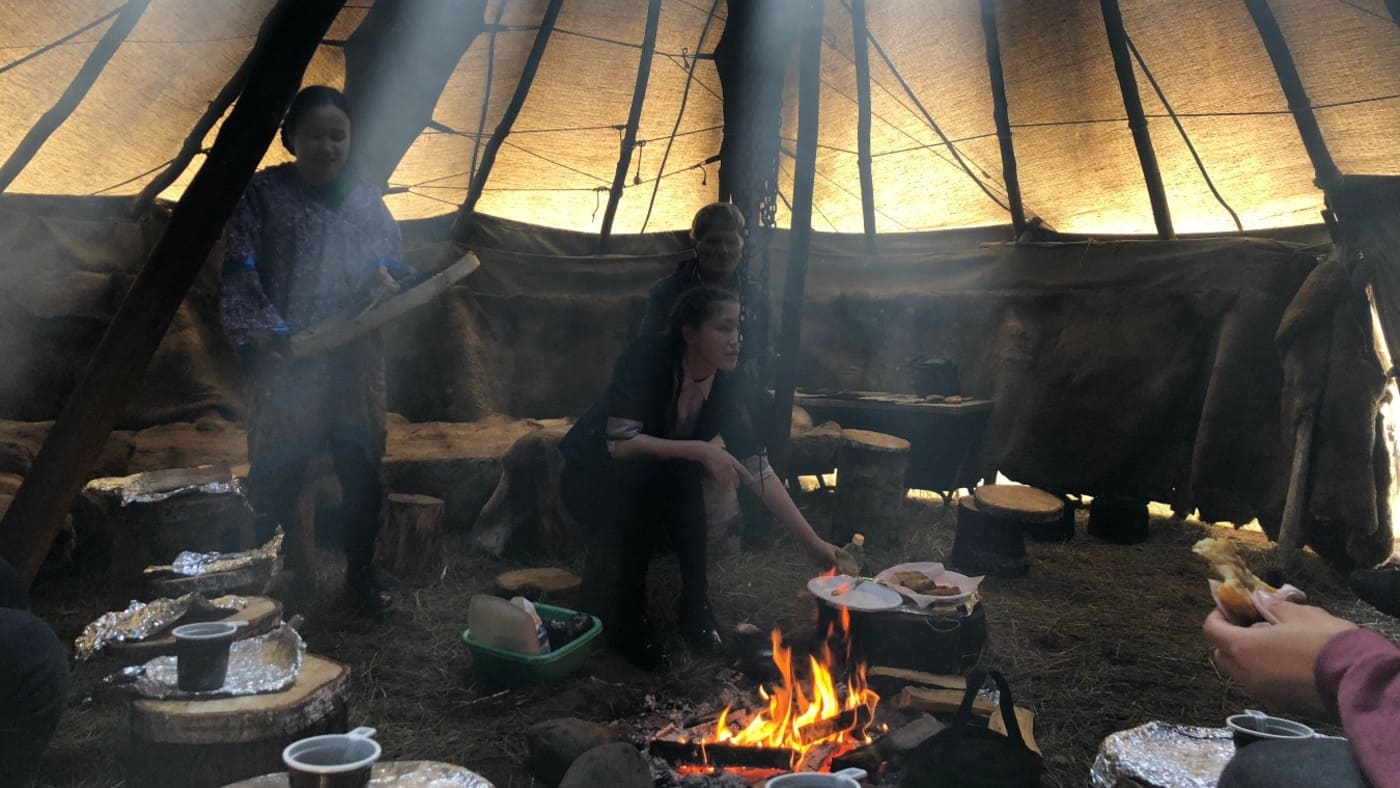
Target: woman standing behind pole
{"x":306,"y":243}
{"x":634,"y":463}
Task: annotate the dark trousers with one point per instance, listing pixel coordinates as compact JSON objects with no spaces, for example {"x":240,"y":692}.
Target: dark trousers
{"x":625,"y":506}
{"x":33,"y":691}
{"x":1314,"y":763}
{"x":275,"y":491}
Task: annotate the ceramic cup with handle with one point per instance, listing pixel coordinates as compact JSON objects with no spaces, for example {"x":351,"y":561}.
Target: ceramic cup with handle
{"x":1253,"y":726}
{"x":846,"y":778}
{"x":201,"y":654}
{"x":338,"y":760}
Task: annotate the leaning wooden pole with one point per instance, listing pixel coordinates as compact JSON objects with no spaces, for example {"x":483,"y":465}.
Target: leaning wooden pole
{"x":78,"y":89}
{"x":804,"y":180}
{"x":1137,"y":119}
{"x":114,"y":374}
{"x":860,"y":44}
{"x":1002,"y":117}
{"x":194,"y":141}
{"x":517,"y":100}
{"x":634,"y":119}
{"x":1325,"y":170}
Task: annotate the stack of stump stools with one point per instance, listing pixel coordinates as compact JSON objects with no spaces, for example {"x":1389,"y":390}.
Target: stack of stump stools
{"x":993,"y":524}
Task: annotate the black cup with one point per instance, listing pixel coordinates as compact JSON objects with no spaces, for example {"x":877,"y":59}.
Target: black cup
{"x":1253,"y":726}
{"x":201,"y":655}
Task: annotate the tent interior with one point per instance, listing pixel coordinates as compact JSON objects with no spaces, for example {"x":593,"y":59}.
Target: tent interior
{"x":1178,"y":325}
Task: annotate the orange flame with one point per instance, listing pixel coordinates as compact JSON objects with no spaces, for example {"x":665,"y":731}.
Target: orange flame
{"x":802,"y":717}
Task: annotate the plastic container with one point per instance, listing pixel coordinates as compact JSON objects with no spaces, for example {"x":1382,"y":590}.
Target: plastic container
{"x":541,"y":634}
{"x":510,"y":668}
{"x":502,"y":625}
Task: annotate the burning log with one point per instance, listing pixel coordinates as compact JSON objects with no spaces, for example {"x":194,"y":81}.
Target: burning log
{"x":891,"y":746}
{"x":723,"y":755}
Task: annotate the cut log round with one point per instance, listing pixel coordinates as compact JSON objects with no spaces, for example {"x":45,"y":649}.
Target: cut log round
{"x":201,"y":743}
{"x":544,"y":584}
{"x":409,"y":545}
{"x":262,"y":614}
{"x":870,"y":488}
{"x":1019,"y":502}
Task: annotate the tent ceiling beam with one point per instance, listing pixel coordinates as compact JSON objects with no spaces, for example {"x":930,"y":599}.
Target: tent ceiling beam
{"x":861,"y":49}
{"x":194,"y":141}
{"x":1137,"y":119}
{"x":490,"y":80}
{"x":76,"y":91}
{"x":1185,"y":138}
{"x":397,"y":63}
{"x":517,"y":100}
{"x":680,"y":113}
{"x":1002,"y":117}
{"x":809,"y":74}
{"x":634,"y":118}
{"x":928,"y":118}
{"x":1325,"y":169}
{"x":119,"y":363}
{"x":60,"y":41}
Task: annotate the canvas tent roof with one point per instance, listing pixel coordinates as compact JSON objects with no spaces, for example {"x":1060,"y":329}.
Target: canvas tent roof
{"x":1077,"y":164}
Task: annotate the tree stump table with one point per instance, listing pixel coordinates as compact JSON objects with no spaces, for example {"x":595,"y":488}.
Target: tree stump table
{"x":870,"y":488}
{"x":406,"y":774}
{"x":206,"y":743}
{"x":409,"y":545}
{"x":545,"y":584}
{"x":261,"y":614}
{"x":990,"y":537}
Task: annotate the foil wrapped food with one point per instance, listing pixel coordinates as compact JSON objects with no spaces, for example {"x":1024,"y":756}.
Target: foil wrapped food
{"x":190,"y":564}
{"x":153,"y":486}
{"x":426,"y":774}
{"x":256,"y":666}
{"x":143,"y":620}
{"x":1163,"y":755}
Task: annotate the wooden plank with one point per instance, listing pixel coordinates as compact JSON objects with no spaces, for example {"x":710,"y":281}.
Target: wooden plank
{"x":906,"y":676}
{"x":335,"y":332}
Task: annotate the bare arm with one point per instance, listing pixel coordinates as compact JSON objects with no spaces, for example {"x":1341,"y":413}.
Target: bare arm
{"x":775,"y":497}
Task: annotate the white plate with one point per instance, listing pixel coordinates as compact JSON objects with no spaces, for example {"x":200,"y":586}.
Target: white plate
{"x":935,"y":572}
{"x":861,"y":595}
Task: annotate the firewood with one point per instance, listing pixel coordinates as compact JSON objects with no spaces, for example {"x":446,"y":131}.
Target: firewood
{"x":892,"y":745}
{"x":898,"y":678}
{"x":940,"y":701}
{"x":722,"y":755}
{"x":1025,"y":720}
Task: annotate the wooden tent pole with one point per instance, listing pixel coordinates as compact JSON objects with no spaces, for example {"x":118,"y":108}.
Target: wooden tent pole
{"x":1393,"y":6}
{"x":119,"y":363}
{"x":517,"y":100}
{"x":634,"y":118}
{"x":76,"y":91}
{"x":1002,"y":117}
{"x":860,"y":43}
{"x":1137,"y":119}
{"x":809,"y":88}
{"x":194,"y":141}
{"x":1325,"y":170}
{"x":486,"y":91}
{"x":397,"y":63}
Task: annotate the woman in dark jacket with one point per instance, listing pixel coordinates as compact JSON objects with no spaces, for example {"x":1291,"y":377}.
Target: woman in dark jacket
{"x":634,"y":463}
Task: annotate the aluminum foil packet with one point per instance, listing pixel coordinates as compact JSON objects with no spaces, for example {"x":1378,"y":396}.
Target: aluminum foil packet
{"x":142,"y":620}
{"x":426,"y":774}
{"x":1163,"y":755}
{"x":190,"y":564}
{"x":153,"y":486}
{"x":256,"y":666}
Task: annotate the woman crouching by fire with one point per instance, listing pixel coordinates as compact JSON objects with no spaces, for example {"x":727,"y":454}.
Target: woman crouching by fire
{"x":634,"y":464}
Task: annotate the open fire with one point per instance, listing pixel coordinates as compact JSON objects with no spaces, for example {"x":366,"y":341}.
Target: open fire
{"x":813,"y":720}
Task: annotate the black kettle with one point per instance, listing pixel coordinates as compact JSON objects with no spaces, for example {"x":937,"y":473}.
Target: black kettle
{"x":934,"y":376}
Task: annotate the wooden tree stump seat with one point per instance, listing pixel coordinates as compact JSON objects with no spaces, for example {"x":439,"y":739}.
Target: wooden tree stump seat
{"x":409,"y":545}
{"x":1019,"y":503}
{"x":206,"y":743}
{"x":544,"y":584}
{"x":870,"y":488}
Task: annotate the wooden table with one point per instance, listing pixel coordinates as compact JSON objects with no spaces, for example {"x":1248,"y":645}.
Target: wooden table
{"x":943,"y":437}
{"x":398,"y":774}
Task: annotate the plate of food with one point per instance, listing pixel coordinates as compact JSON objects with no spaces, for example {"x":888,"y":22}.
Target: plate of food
{"x":928,"y":583}
{"x":860,"y":594}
